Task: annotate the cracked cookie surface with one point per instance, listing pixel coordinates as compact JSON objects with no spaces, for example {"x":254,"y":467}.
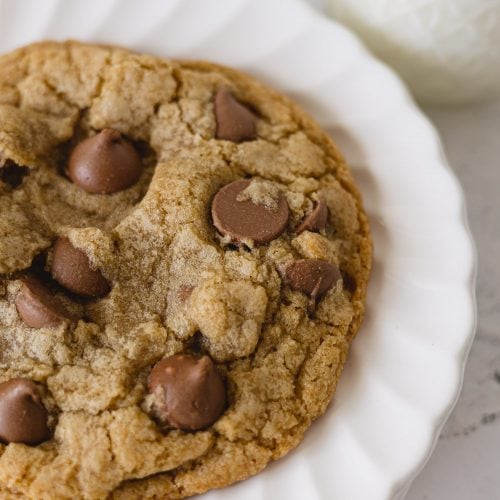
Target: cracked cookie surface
{"x":182,"y":279}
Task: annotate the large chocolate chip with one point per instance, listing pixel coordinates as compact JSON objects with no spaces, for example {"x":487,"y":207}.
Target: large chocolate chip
{"x":189,"y":392}
{"x":235,"y":122}
{"x":71,"y":268}
{"x":23,"y":418}
{"x":313,"y":277}
{"x":316,"y":220}
{"x":37,"y":307}
{"x":105,"y":163}
{"x":245,"y":220}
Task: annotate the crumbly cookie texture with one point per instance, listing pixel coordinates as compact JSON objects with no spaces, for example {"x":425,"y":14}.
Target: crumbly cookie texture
{"x":177,"y":284}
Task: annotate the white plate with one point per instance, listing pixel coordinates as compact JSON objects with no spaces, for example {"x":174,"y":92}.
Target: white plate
{"x":406,"y":364}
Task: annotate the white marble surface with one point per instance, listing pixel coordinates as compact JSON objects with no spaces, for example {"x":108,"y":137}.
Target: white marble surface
{"x":465,"y":464}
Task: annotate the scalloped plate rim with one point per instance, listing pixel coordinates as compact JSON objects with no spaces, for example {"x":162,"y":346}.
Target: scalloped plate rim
{"x":401,"y":486}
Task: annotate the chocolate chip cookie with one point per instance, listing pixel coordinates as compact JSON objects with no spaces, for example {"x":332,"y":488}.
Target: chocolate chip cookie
{"x":183,"y":265}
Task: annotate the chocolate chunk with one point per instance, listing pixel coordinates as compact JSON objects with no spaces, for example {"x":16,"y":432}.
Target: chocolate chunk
{"x":37,"y":307}
{"x":246,"y":220}
{"x":189,"y":392}
{"x":349,"y":282}
{"x":13,"y":174}
{"x":105,"y":163}
{"x":316,"y":220}
{"x":313,"y":277}
{"x":235,"y":122}
{"x":71,"y":268}
{"x":23,"y":418}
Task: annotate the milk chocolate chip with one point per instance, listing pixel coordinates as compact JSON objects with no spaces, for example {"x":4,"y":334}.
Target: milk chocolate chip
{"x":23,"y":418}
{"x":245,"y":220}
{"x":235,"y":122}
{"x":316,"y":220}
{"x":71,"y":268}
{"x":313,"y":277}
{"x":189,"y":392}
{"x":105,"y":163}
{"x":37,"y":307}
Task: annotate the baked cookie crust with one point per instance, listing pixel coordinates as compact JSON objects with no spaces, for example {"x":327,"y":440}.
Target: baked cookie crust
{"x":177,"y":284}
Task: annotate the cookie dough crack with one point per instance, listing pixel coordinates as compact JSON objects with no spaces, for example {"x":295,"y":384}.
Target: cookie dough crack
{"x":60,"y":95}
{"x":101,"y":80}
{"x":72,"y":63}
{"x":176,"y":100}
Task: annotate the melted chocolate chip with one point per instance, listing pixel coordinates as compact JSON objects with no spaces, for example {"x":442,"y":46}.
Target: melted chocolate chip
{"x":349,"y":282}
{"x":71,"y":268}
{"x":313,"y":277}
{"x":246,"y":220}
{"x":189,"y":392}
{"x":235,"y":122}
{"x":184,"y":292}
{"x":316,"y":220}
{"x":37,"y":307}
{"x":23,"y":418}
{"x":105,"y":163}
